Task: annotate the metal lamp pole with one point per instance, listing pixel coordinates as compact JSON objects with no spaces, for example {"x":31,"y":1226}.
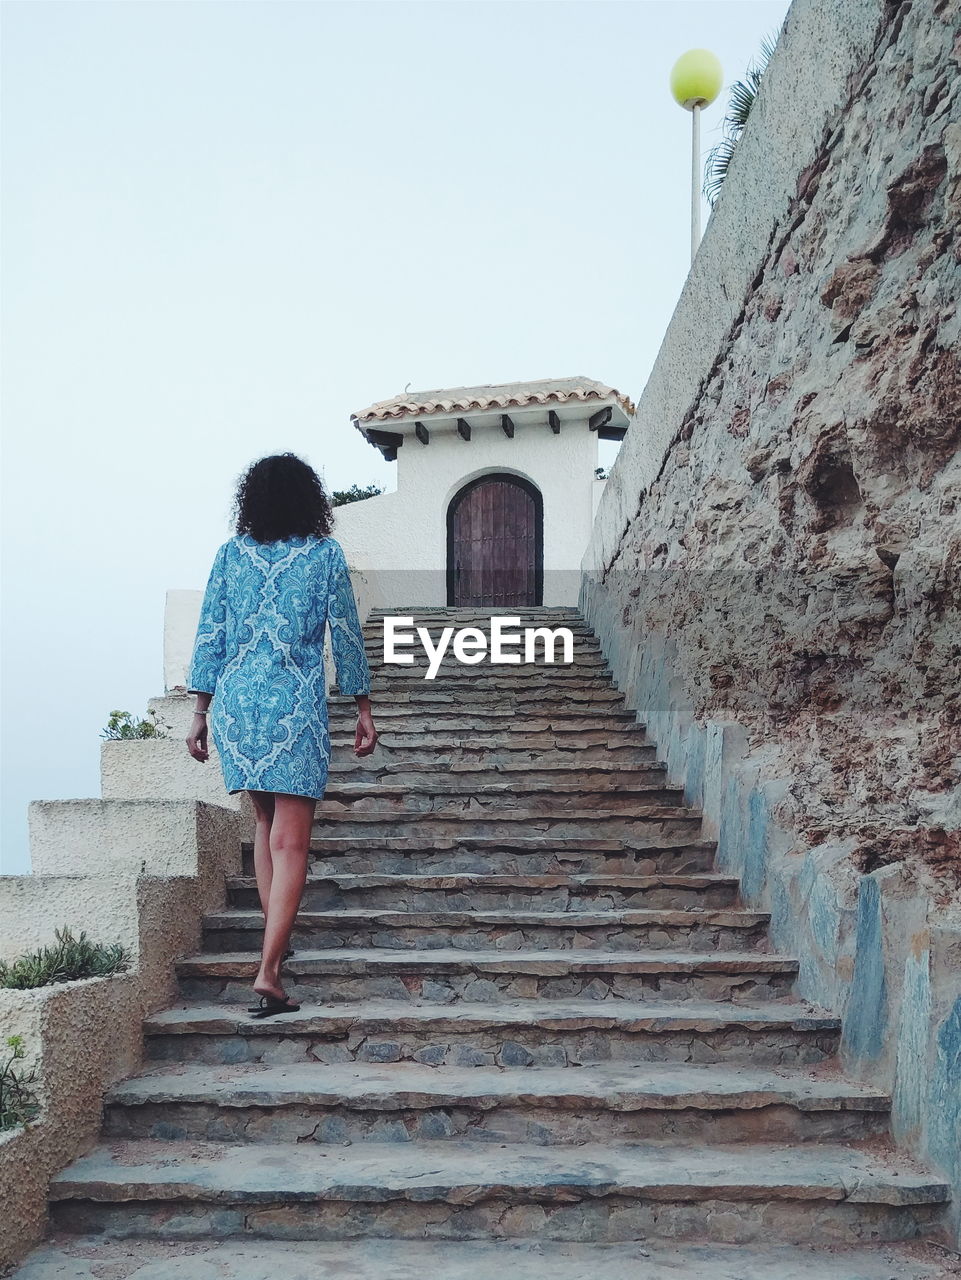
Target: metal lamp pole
{"x":695,"y":82}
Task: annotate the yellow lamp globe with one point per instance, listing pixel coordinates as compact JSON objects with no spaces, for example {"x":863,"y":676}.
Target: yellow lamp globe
{"x":696,"y":78}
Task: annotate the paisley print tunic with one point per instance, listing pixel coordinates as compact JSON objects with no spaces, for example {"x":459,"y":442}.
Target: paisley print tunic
{"x":259,"y":650}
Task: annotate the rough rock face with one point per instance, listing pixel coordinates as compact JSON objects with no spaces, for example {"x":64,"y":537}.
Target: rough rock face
{"x":801,"y":546}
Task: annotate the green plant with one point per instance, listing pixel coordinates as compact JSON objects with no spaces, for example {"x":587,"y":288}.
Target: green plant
{"x":340,"y":497}
{"x":122,"y":725}
{"x":743,"y":95}
{"x":67,"y":959}
{"x":18,"y":1100}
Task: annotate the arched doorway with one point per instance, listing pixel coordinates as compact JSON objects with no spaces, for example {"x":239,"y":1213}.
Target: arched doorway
{"x":495,"y":544}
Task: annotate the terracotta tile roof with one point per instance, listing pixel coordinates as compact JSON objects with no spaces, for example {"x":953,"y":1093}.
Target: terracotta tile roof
{"x":503,"y":395}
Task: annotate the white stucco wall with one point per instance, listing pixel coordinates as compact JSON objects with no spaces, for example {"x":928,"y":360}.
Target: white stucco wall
{"x":399,"y":539}
{"x":396,"y":544}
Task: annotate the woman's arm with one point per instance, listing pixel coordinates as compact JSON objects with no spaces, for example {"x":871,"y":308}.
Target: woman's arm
{"x":350,"y":656}
{"x":210,"y":649}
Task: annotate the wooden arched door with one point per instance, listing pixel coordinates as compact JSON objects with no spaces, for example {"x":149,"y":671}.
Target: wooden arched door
{"x":495,"y":544}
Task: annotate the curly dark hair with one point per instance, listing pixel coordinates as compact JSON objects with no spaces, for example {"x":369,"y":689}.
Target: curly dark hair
{"x":281,"y":496}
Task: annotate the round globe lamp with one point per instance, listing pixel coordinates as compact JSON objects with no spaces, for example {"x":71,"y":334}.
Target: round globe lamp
{"x":696,"y":79}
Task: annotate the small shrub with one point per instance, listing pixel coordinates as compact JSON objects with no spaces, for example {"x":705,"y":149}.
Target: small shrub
{"x":67,"y":959}
{"x":340,"y":497}
{"x":122,"y":725}
{"x":18,"y":1100}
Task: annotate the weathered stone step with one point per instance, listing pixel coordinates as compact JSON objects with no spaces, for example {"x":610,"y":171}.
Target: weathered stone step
{"x":478,"y":688}
{"x":419,"y":892}
{"x":523,"y":771}
{"x":488,"y":816}
{"x":493,"y":676}
{"x":86,"y":1257}
{"x":586,"y":652}
{"x":464,"y":782}
{"x":638,"y":824}
{"x":441,"y":797}
{"x":505,"y":730}
{"x":403,"y":1102}
{"x":467,"y":615}
{"x":535,"y":700}
{"x":487,"y":1030}
{"x":502,"y":721}
{"x":459,"y":851}
{"x":501,"y":714}
{"x":420,"y":740}
{"x":457,"y":1189}
{"x":475,"y":930}
{"x":444,"y":974}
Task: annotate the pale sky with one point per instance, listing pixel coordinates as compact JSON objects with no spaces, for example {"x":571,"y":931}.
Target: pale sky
{"x":226,"y":225}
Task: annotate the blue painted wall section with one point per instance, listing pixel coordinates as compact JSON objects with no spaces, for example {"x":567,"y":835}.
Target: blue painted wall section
{"x":911,"y":1079}
{"x":944,"y":1138}
{"x":754,"y":872}
{"x":866,"y":1015}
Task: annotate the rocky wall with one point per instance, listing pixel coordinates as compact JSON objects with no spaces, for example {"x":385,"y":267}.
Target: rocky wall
{"x":776,"y":566}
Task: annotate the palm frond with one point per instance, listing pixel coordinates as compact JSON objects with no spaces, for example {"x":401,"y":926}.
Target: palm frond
{"x":743,"y":95}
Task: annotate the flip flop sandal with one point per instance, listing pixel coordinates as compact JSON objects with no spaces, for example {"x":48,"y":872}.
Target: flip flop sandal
{"x":255,"y":1008}
{"x":269,"y":1005}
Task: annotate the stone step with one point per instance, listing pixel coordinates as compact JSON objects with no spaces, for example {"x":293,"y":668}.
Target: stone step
{"x":486,"y":684}
{"x":557,"y":783}
{"x":506,"y":929}
{"x":440,"y":797}
{"x":456,"y":1190}
{"x":587,"y":652}
{"x":404,"y":1102}
{"x":445,"y":974}
{"x":486,"y":1030}
{"x":419,"y":740}
{"x":567,"y":730}
{"x":638,"y":824}
{"x":458,"y":851}
{"x":535,"y":700}
{"x":502,"y":721}
{"x":527,"y":676}
{"x":562,"y":715}
{"x":464,"y":892}
{"x":522,"y":773}
{"x":466,"y":616}
{"x":590,"y":664}
{"x":89,"y":1257}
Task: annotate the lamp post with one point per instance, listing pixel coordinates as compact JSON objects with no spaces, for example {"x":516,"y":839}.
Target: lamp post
{"x":695,"y":82}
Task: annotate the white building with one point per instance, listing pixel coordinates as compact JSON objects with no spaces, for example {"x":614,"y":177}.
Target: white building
{"x":495,"y":498}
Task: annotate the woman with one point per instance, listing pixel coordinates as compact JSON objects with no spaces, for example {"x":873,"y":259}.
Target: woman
{"x":259,"y":647}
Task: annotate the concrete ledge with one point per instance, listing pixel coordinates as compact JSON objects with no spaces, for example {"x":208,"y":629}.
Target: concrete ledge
{"x":139,"y":872}
{"x":84,"y":1036}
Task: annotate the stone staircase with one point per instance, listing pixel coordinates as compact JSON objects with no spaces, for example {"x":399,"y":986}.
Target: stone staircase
{"x":532,"y":1013}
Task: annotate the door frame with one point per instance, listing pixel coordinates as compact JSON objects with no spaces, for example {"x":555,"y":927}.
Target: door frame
{"x":522,"y":483}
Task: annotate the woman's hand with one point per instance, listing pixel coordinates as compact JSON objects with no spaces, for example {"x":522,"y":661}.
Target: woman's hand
{"x":365,"y":739}
{"x":197,"y":737}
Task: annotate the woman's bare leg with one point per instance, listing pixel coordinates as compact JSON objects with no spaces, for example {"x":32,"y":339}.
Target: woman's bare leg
{"x":290,"y":833}
{"x":263,"y":802}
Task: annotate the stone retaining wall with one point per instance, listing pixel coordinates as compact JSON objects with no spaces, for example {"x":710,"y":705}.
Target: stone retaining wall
{"x":777,"y":556}
{"x":139,"y":872}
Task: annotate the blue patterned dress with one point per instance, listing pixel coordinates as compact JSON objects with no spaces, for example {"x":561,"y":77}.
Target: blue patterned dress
{"x":259,"y":650}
